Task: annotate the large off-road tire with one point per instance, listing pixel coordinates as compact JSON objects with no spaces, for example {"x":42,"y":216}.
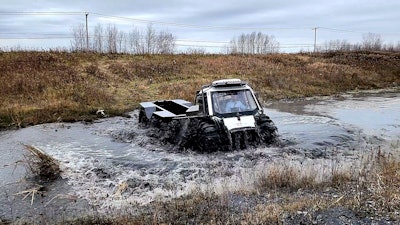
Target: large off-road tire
{"x":211,"y":137}
{"x":267,"y":130}
{"x":203,"y":135}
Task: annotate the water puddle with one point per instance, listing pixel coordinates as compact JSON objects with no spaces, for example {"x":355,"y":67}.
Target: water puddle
{"x":375,"y":115}
{"x":113,"y":163}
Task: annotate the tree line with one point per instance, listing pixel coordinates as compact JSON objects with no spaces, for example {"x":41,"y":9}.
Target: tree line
{"x":108,"y":39}
{"x":370,"y":42}
{"x":254,"y":43}
{"x":111,"y":40}
{"x":149,"y":41}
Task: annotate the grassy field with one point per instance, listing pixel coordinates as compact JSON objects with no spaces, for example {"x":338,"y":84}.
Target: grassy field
{"x":39,"y":87}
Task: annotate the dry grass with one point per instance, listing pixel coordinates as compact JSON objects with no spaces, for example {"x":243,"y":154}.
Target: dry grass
{"x":377,"y":190}
{"x":285,"y":195}
{"x":372,"y":190}
{"x":31,"y":192}
{"x":42,"y":166}
{"x":286,"y":177}
{"x":39,"y":87}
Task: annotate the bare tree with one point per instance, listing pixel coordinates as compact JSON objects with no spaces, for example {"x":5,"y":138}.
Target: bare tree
{"x":98,"y":39}
{"x":251,"y":40}
{"x":121,"y":42}
{"x":79,"y":38}
{"x":165,"y":43}
{"x":372,"y":42}
{"x":391,"y":47}
{"x":232,"y":47}
{"x":151,"y":42}
{"x":260,"y":40}
{"x":254,"y":43}
{"x":195,"y":51}
{"x":150,"y":39}
{"x":111,"y":36}
{"x":337,"y":45}
{"x":137,"y":41}
{"x":271,"y":45}
{"x":242,"y":44}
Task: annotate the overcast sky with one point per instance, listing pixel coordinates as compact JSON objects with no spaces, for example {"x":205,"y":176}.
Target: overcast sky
{"x":203,"y":23}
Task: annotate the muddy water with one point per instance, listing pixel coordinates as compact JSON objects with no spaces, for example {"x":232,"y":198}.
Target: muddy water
{"x":113,"y":164}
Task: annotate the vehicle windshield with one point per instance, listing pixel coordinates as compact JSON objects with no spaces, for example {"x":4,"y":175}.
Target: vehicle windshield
{"x":233,"y":101}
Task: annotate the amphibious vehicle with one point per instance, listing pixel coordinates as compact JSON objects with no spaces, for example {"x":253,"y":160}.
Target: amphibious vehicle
{"x":226,"y":115}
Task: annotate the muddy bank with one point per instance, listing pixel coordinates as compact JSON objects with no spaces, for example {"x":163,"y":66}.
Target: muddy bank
{"x":39,"y":87}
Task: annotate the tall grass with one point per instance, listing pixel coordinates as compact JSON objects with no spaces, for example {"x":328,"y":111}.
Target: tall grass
{"x":38,"y":87}
{"x":283,"y":192}
{"x":369,"y":190}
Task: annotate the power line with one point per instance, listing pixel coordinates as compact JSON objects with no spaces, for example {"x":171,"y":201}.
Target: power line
{"x":34,"y":38}
{"x":180,"y":42}
{"x":22,"y":33}
{"x":354,"y":31}
{"x":210,"y":27}
{"x":340,"y":30}
{"x":195,"y":26}
{"x":42,"y":13}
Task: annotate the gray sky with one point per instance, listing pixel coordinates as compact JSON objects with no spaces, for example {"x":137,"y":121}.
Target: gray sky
{"x":202,"y":23}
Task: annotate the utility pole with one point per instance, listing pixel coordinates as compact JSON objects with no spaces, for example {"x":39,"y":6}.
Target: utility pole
{"x":87,"y":32}
{"x":315,"y":38}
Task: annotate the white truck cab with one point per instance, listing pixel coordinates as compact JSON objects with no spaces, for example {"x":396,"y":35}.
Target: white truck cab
{"x":231,"y":100}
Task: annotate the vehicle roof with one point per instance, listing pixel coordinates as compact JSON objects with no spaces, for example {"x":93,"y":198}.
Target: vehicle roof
{"x":225,"y":85}
{"x":227,"y":82}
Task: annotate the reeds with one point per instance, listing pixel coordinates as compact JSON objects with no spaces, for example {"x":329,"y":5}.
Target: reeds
{"x":43,"y":167}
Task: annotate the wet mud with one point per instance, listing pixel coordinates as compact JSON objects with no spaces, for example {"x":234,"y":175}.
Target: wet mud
{"x":114,"y":163}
